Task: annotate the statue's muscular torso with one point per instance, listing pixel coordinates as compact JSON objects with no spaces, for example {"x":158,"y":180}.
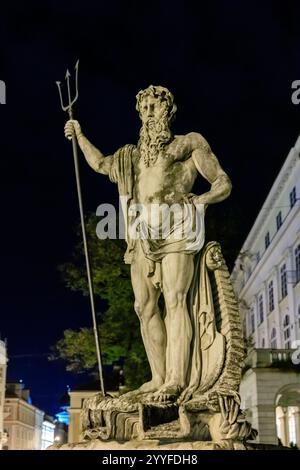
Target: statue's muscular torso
{"x":173,"y":175}
{"x":170,"y":178}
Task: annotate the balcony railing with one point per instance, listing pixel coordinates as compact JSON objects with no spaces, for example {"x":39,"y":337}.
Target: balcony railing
{"x":270,"y":358}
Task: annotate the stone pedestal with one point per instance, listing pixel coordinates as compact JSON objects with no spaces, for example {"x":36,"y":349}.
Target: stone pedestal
{"x":160,"y":445}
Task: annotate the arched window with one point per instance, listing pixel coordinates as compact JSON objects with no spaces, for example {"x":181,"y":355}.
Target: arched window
{"x":273,"y":339}
{"x":286,"y":320}
{"x":271,"y":296}
{"x":260,"y":309}
{"x":293,"y":197}
{"x":283,"y":278}
{"x":267,"y":240}
{"x":297,"y":262}
{"x":287,"y":332}
{"x":251,"y":321}
{"x":279,"y":220}
{"x":292,"y":424}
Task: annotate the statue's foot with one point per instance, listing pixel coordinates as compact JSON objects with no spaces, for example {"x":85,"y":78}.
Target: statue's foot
{"x":168,"y":392}
{"x":148,"y":387}
{"x":151,"y":386}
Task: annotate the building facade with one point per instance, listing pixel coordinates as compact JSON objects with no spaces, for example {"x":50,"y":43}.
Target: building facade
{"x":266,"y":279}
{"x":77,"y":398}
{"x":3,"y":365}
{"x":23,"y":422}
{"x":48,"y":429}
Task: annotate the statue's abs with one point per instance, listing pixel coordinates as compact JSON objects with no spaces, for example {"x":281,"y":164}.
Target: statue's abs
{"x":167,"y":181}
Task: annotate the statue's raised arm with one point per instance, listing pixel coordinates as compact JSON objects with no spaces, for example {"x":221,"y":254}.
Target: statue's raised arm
{"x":93,"y":156}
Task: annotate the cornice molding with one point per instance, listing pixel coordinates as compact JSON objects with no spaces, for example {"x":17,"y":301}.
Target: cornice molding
{"x":270,"y":201}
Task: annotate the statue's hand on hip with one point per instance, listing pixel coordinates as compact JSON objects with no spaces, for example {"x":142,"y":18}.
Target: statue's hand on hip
{"x":194,"y":199}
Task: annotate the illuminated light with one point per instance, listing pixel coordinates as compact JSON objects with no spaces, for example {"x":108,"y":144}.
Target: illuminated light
{"x":63,"y":416}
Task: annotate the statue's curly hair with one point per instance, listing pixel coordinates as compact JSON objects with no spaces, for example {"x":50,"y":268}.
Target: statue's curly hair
{"x":161,"y":93}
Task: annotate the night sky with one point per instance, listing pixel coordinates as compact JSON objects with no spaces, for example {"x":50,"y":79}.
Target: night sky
{"x":230,"y":65}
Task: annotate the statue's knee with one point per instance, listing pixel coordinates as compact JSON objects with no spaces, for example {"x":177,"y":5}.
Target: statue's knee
{"x":175,"y":300}
{"x":138,"y":309}
{"x":145,"y":310}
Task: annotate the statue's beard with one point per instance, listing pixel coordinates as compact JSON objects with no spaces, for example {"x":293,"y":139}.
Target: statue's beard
{"x":154,"y":136}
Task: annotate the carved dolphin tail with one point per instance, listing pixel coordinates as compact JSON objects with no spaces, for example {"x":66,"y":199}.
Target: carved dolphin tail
{"x":228,"y":323}
{"x":220,"y":399}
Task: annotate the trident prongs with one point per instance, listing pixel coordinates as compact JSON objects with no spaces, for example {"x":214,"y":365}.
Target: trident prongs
{"x":64,"y":108}
{"x":76,"y":80}
{"x":68,"y":107}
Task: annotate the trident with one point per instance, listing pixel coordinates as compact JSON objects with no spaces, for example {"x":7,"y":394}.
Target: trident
{"x":69,"y":109}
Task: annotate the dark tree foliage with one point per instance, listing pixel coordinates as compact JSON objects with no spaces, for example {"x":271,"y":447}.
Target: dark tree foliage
{"x":118,"y":326}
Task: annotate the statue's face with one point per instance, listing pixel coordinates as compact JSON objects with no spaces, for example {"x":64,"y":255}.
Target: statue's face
{"x":152,"y":108}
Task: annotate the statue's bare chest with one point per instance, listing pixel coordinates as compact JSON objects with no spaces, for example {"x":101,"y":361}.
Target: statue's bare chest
{"x":171,"y":174}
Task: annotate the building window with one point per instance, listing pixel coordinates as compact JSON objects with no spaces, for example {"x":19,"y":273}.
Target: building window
{"x":299,"y":316}
{"x":263,"y":343}
{"x":293,"y":197}
{"x":283,"y":281}
{"x":297,"y":262}
{"x":261,"y":308}
{"x":287,"y":332}
{"x":267,"y":240}
{"x":273,"y":339}
{"x":252,"y":321}
{"x":271,"y":296}
{"x":278,"y":220}
{"x":292,"y":424}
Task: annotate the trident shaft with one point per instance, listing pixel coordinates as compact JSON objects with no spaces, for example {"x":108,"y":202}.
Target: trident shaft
{"x":69,"y":109}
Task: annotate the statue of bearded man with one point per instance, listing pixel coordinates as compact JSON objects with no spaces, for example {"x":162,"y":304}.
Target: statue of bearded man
{"x":160,"y":171}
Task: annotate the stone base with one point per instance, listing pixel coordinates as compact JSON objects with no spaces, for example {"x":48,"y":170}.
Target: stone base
{"x":158,"y":445}
{"x":155,"y":444}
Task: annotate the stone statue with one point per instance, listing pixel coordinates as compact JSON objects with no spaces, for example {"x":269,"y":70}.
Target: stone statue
{"x":195,"y":347}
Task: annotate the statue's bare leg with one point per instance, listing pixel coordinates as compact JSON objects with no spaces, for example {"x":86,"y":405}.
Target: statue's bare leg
{"x":152,"y":326}
{"x":177,"y":271}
